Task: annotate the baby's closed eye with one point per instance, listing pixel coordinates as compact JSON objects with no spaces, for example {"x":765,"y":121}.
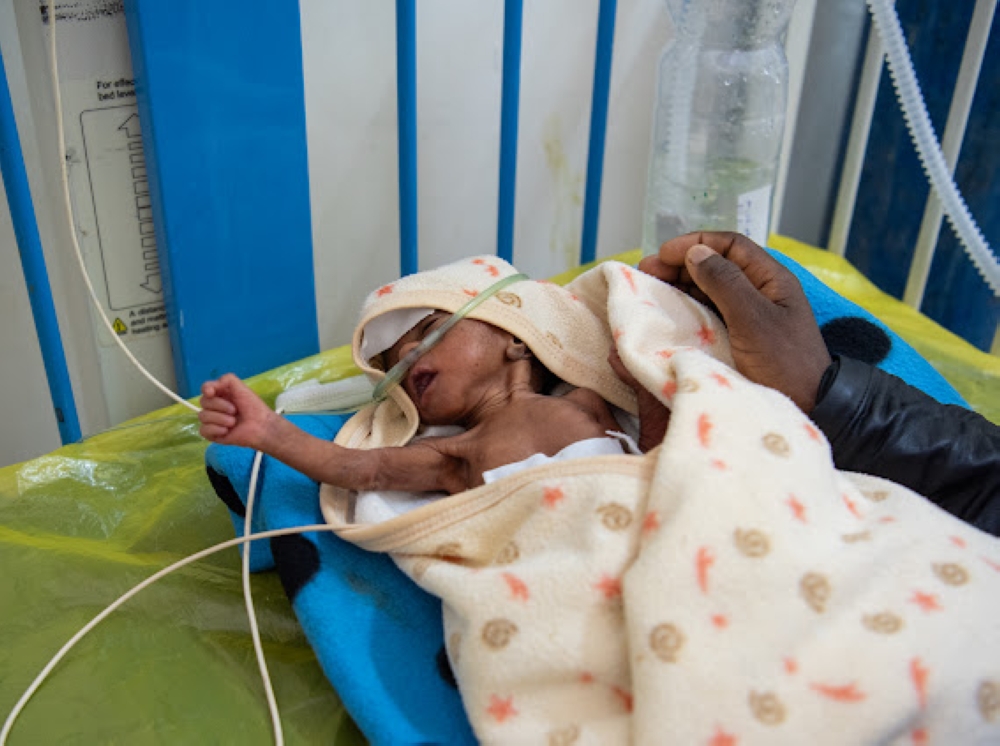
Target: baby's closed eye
{"x":431,"y":323}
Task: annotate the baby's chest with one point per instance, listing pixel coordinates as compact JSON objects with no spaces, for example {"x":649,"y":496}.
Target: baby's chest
{"x":530,"y":430}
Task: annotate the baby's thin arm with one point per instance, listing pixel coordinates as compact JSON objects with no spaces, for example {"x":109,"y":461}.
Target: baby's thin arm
{"x":232,"y":414}
{"x":414,"y":468}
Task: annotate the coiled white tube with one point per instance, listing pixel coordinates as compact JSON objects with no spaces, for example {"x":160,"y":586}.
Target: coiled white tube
{"x":928,"y":149}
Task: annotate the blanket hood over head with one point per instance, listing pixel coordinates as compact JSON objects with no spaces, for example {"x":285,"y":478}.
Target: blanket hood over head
{"x":567,"y":328}
{"x":729,"y":585}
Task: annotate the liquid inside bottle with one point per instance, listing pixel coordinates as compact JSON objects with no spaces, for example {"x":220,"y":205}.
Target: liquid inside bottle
{"x":719,"y":120}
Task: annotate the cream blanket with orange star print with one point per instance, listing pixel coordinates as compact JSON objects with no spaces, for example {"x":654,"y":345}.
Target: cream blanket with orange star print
{"x":729,"y":587}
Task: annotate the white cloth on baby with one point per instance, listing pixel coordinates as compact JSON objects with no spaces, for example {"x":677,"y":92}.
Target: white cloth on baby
{"x":613,"y":445}
{"x":375,"y":507}
{"x":384,"y":331}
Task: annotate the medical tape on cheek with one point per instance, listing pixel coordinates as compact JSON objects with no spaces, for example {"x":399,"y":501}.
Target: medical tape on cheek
{"x":398,"y":372}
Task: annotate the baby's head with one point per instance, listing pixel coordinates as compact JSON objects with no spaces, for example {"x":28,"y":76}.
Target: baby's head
{"x":517,"y":331}
{"x":475,"y":364}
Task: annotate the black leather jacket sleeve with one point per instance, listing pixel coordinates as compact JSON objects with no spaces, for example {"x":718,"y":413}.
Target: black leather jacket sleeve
{"x":879,"y":425}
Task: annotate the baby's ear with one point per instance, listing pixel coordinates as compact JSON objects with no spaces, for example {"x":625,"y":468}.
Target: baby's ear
{"x":517,"y":350}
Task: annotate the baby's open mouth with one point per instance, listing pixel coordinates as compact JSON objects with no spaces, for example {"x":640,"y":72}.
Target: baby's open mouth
{"x":420,"y":380}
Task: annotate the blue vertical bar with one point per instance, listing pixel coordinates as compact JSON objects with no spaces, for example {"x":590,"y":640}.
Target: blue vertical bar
{"x":509,"y":102}
{"x":406,"y":116}
{"x":598,"y":128}
{"x":22,"y":212}
{"x":222,"y":105}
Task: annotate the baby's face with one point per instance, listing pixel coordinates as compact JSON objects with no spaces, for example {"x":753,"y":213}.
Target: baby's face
{"x":451,"y":380}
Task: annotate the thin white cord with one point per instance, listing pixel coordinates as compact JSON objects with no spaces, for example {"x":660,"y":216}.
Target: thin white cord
{"x":68,"y":207}
{"x":272,"y":704}
{"x":247,"y":594}
{"x":12,"y":717}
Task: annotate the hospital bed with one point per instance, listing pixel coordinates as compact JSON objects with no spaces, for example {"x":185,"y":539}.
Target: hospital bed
{"x":81,"y":525}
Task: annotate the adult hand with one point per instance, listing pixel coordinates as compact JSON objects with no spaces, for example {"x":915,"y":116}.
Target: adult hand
{"x":774,"y":336}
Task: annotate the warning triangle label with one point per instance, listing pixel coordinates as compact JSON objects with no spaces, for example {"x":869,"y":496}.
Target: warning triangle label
{"x":119,"y":326}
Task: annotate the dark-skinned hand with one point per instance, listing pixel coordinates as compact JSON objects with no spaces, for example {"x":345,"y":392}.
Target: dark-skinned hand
{"x":774,"y":336}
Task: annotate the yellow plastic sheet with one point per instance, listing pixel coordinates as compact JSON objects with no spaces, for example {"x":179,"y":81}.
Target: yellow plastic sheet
{"x":175,"y":665}
{"x":81,"y":525}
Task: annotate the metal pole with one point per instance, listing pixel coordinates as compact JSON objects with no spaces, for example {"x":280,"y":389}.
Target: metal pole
{"x":509,"y":105}
{"x":36,"y":276}
{"x":598,"y":128}
{"x":406,"y":114}
{"x":854,"y":158}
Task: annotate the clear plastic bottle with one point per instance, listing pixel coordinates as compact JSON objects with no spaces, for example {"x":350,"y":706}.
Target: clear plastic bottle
{"x":720,"y":115}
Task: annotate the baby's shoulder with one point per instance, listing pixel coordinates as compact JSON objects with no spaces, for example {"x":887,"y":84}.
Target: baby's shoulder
{"x":592,"y":404}
{"x":585,"y":397}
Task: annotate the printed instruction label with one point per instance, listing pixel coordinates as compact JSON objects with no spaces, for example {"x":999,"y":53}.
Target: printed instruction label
{"x":123,"y":213}
{"x":753,"y":213}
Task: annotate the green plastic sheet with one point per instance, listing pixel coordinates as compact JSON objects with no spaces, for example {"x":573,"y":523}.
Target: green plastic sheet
{"x":80,"y":526}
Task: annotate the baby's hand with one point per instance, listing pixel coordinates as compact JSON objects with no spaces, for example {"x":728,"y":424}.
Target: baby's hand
{"x":654,"y":417}
{"x":232,"y":414}
{"x":621,"y":371}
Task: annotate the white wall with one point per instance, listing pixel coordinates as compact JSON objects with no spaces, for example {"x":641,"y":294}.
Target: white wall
{"x":796,"y":48}
{"x":351,"y":121}
{"x":107,"y":390}
{"x":27,"y":421}
{"x":349,"y":64}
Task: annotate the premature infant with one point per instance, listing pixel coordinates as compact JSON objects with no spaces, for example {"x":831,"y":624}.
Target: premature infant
{"x":479,"y":377}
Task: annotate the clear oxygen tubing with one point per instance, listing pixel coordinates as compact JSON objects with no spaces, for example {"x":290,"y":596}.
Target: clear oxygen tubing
{"x":398,"y":372}
{"x":348,"y":395}
{"x":394,"y":377}
{"x":922,"y":133}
